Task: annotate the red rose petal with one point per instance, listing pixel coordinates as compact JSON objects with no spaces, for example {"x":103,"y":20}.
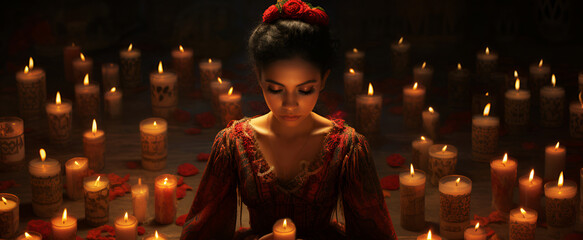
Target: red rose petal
{"x":202,"y":157}
{"x":390,"y":182}
{"x":78,"y":238}
{"x":192,"y":131}
{"x":187,"y":169}
{"x":40,"y":226}
{"x":482,"y":220}
{"x":395,"y":160}
{"x":496,"y":216}
{"x":180,"y":220}
{"x":141,"y":230}
{"x":181,"y":191}
{"x":180,"y":181}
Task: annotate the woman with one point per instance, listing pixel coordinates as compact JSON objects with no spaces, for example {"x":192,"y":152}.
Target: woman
{"x":290,"y":162}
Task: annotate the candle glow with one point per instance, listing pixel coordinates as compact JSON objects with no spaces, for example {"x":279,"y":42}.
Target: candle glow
{"x":43,"y":154}
{"x":160,"y":69}
{"x":424,"y":65}
{"x":517,"y":84}
{"x":400,"y":41}
{"x":355,"y":50}
{"x":431,"y":110}
{"x":284,"y":224}
{"x":30,"y":63}
{"x":412,"y":170}
{"x":560,"y":182}
{"x":25,"y":69}
{"x":540,"y":63}
{"x":459,"y":66}
{"x":86,"y":79}
{"x":58,"y":98}
{"x":477,"y":226}
{"x":429,"y":235}
{"x":4,"y":201}
{"x":230,"y":91}
{"x":97,"y":181}
{"x":210,"y":60}
{"x":487,"y":51}
{"x":370,"y":89}
{"x":416,"y":84}
{"x":82,"y":57}
{"x":155,"y":123}
{"x":557,"y":146}
{"x":125,"y":217}
{"x":531,"y":176}
{"x":94,"y":127}
{"x":26,"y":235}
{"x":457,"y":181}
{"x":351,"y":71}
{"x":487,"y":110}
{"x":64,"y":218}
{"x":112,"y":89}
{"x":180,"y":48}
{"x":515,"y":73}
{"x":220,"y":80}
{"x":444,"y":148}
{"x":130,"y":47}
{"x":522,"y":209}
{"x":156,"y":234}
{"x":165,"y":181}
{"x":505,"y":159}
{"x":423,"y":138}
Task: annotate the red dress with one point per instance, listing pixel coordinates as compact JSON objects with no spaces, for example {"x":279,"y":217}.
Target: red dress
{"x":345,"y":170}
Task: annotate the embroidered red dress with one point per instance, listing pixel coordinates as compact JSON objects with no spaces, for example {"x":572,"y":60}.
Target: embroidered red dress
{"x":343,"y":170}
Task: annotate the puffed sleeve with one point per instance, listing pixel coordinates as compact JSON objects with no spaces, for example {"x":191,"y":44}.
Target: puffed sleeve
{"x":365,"y":212}
{"x":214,"y":209}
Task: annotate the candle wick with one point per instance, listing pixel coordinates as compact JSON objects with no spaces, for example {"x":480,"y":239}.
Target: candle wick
{"x":456,"y":184}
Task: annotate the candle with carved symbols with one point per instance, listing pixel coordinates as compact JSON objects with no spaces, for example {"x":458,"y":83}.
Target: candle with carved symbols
{"x":530,"y":188}
{"x":355,"y":59}
{"x":368,"y":111}
{"x":352,"y":86}
{"x":140,"y":197}
{"x":420,"y":154}
{"x":230,"y":105}
{"x":522,"y":224}
{"x":156,"y":236}
{"x":30,"y":235}
{"x":113,"y":103}
{"x":458,"y":87}
{"x":47,"y":188}
{"x":96,"y":200}
{"x":431,"y":122}
{"x":428,"y":236}
{"x":164,"y":94}
{"x":70,"y":53}
{"x":130,"y":64}
{"x":154,"y":143}
{"x":87,"y":98}
{"x":76,"y":169}
{"x":82,"y":66}
{"x":517,"y":108}
{"x":183,"y":64}
{"x":412,"y":191}
{"x":284,"y":229}
{"x":539,"y":75}
{"x":210,"y":70}
{"x":480,"y":100}
{"x":555,"y":155}
{"x":552,"y":104}
{"x":94,"y":147}
{"x":487,"y":62}
{"x":475,"y":233}
{"x":12,"y":141}
{"x":9,"y":215}
{"x":503,"y":176}
{"x":442,"y":161}
{"x":165,"y":198}
{"x":454,"y":201}
{"x":413,"y":103}
{"x":64,"y":227}
{"x":400,"y":57}
{"x":485,"y":135}
{"x":126,"y":227}
{"x":60,"y":118}
{"x":423,"y":74}
{"x":561,"y":202}
{"x":110,"y":75}
{"x":218,"y":87}
{"x":576,"y":118}
{"x":32,"y":91}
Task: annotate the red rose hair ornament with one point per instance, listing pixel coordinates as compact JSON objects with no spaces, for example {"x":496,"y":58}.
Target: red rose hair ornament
{"x":295,"y":9}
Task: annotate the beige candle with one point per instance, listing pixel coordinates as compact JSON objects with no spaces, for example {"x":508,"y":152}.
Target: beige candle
{"x":76,"y":169}
{"x":413,"y":103}
{"x":30,"y":235}
{"x":64,"y":227}
{"x":140,"y":198}
{"x":70,"y":53}
{"x":576,"y":118}
{"x":458,"y":87}
{"x":412,"y":194}
{"x":485,"y":133}
{"x":230,"y":105}
{"x":218,"y":87}
{"x":46,"y":183}
{"x":368,"y":112}
{"x":442,"y":161}
{"x":522,"y":224}
{"x":130,"y":64}
{"x":475,"y":233}
{"x":12,"y":142}
{"x":423,"y":74}
{"x":554,"y":160}
{"x":126,"y":227}
{"x":454,"y":201}
{"x":9,"y":215}
{"x":487,"y":62}
{"x":96,"y":200}
{"x":82,"y":66}
{"x":284,"y":229}
{"x":352,"y":86}
{"x":561,"y":202}
{"x":32,"y":91}
{"x":530,"y":188}
{"x":165,"y":198}
{"x":110,"y":75}
{"x":517,"y":109}
{"x":420,"y":154}
{"x":154,"y":143}
{"x":94,"y":147}
{"x":400,"y":57}
{"x":430,"y":122}
{"x":210,"y":70}
{"x":156,"y":236}
{"x":355,"y":59}
{"x":164,"y":92}
{"x":503,"y":176}
{"x":552,"y":105}
{"x":113,"y":103}
{"x":60,"y":118}
{"x":183,"y":65}
{"x":539,"y":75}
{"x":87,"y":98}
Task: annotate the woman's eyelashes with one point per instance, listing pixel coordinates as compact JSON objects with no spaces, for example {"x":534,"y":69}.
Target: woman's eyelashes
{"x":274,"y":91}
{"x":307,"y":92}
{"x":301,"y":91}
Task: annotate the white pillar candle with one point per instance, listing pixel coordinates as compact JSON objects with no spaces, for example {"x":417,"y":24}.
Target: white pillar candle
{"x":423,"y":74}
{"x":420,"y":154}
{"x":400,"y":57}
{"x":413,"y":103}
{"x":96,"y":200}
{"x":113,"y":103}
{"x":454,"y":211}
{"x":94,"y":147}
{"x":530,"y":189}
{"x":428,"y":236}
{"x":130,"y":64}
{"x":576,"y":118}
{"x":230,"y":105}
{"x":70,"y":53}
{"x":183,"y":65}
{"x":9,"y":213}
{"x":164,"y":92}
{"x":64,"y":227}
{"x":503,"y":176}
{"x":561,"y":202}
{"x":12,"y":141}
{"x":110,"y":75}
{"x":82,"y":66}
{"x":368,"y":112}
{"x":165,"y":198}
{"x":539,"y":75}
{"x":60,"y":118}
{"x":355,"y":59}
{"x":30,"y":235}
{"x":210,"y":70}
{"x":555,"y":155}
{"x":126,"y":227}
{"x":140,"y":198}
{"x":352,"y":86}
{"x":517,"y":108}
{"x":475,"y":233}
{"x":218,"y":87}
{"x":552,"y":105}
{"x":442,"y":161}
{"x":46,"y":183}
{"x":156,"y":236}
{"x":458,"y":87}
{"x":154,"y":141}
{"x":522,"y":224}
{"x":76,"y":169}
{"x":485,"y":134}
{"x":487,"y":62}
{"x":430,"y":122}
{"x":87,"y":98}
{"x":284,"y":229}
{"x":412,"y":194}
{"x":32,"y":91}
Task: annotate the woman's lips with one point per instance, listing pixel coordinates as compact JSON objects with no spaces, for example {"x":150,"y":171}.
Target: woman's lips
{"x":290,"y":117}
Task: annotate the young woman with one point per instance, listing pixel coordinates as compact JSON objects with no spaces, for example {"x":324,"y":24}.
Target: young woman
{"x":290,"y":162}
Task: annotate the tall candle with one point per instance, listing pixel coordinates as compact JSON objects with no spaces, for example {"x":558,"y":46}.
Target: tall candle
{"x":485,"y":135}
{"x":555,"y":155}
{"x":503,"y":176}
{"x":9,"y":215}
{"x":576,"y":118}
{"x":210,"y":70}
{"x":475,"y":233}
{"x":284,"y":229}
{"x":130,"y":64}
{"x":94,"y":147}
{"x":530,"y":188}
{"x":458,"y":87}
{"x":110,"y":75}
{"x":539,"y":75}
{"x":522,"y":224}
{"x":154,"y":143}
{"x":561,"y":202}
{"x":400,"y":57}
{"x":140,"y":198}
{"x":32,"y":91}
{"x":368,"y":112}
{"x":165,"y":198}
{"x":517,"y":109}
{"x":413,"y":103}
{"x":11,"y":141}
{"x":76,"y":169}
{"x":428,"y":236}
{"x":552,"y":105}
{"x":96,"y":200}
{"x":82,"y":66}
{"x":218,"y":87}
{"x":355,"y":59}
{"x":164,"y":92}
{"x":412,"y":192}
{"x":87,"y":98}
{"x":454,"y":201}
{"x":352,"y":86}
{"x":30,"y":235}
{"x":430,"y":122}
{"x":113,"y":103}
{"x":60,"y":118}
{"x":423,"y":74}
{"x":442,"y":161}
{"x":70,"y":53}
{"x":47,"y":188}
{"x":183,"y":64}
{"x":420,"y":154}
{"x":156,"y":236}
{"x":64,"y":227}
{"x":487,"y":62}
{"x":230,"y":105}
{"x":126,"y":227}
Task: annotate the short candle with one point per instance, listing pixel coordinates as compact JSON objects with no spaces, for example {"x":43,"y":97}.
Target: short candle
{"x":140,"y":197}
{"x":552,"y":104}
{"x":154,"y":143}
{"x":522,"y":224}
{"x":30,"y":235}
{"x":413,"y":103}
{"x":60,"y":118}
{"x":9,"y":213}
{"x":126,"y":227}
{"x":130,"y":64}
{"x":164,"y":92}
{"x":113,"y":103}
{"x":82,"y":66}
{"x":94,"y":147}
{"x":368,"y":111}
{"x":442,"y":161}
{"x":230,"y":105}
{"x":561,"y":202}
{"x":210,"y":70}
{"x":284,"y":229}
{"x":64,"y":227}
{"x":475,"y":233}
{"x":430,"y":122}
{"x":32,"y":92}
{"x":12,"y":141}
{"x":423,"y":74}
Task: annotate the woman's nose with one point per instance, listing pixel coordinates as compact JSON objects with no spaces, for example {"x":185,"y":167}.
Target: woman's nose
{"x":290,"y":101}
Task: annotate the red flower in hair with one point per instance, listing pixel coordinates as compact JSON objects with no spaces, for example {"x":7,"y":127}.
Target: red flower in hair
{"x":316,"y":16}
{"x":271,"y":14}
{"x":295,"y":8}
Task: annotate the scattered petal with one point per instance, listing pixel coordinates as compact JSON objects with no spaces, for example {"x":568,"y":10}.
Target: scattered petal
{"x":202,"y":157}
{"x":395,"y":160}
{"x":187,"y":169}
{"x":180,"y":220}
{"x":141,"y":230}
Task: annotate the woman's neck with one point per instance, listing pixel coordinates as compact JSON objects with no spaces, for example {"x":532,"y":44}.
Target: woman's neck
{"x":303,"y":128}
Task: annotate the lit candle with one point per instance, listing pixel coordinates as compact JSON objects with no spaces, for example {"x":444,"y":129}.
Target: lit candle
{"x":110,"y":75}
{"x":130,"y":64}
{"x":522,"y":224}
{"x":284,"y":229}
{"x":561,"y":202}
{"x":154,"y":143}
{"x":9,"y":215}
{"x":503,"y":176}
{"x":368,"y":112}
{"x":76,"y":169}
{"x":420,"y":154}
{"x":126,"y":227}
{"x":555,"y":155}
{"x":539,"y":75}
{"x":552,"y":104}
{"x":87,"y":98}
{"x":442,"y":161}
{"x":230,"y":105}
{"x":480,"y":100}
{"x":94,"y":147}
{"x":517,"y":109}
{"x":576,"y":118}
{"x":454,"y":201}
{"x":210,"y":70}
{"x":96,"y":200}
{"x":82,"y":66}
{"x":487,"y":62}
{"x":164,"y":94}
{"x":218,"y":87}
{"x":400,"y":57}
{"x":412,"y":192}
{"x":352,"y":86}
{"x":32,"y":91}
{"x":165,"y":199}
{"x":423,"y":74}
{"x":458,"y":87}
{"x":64,"y":227}
{"x":430,"y":122}
{"x":530,"y":190}
{"x":428,"y":236}
{"x":140,"y":197}
{"x":12,"y":141}
{"x":113,"y":103}
{"x":46,"y":183}
{"x":485,"y":135}
{"x":475,"y":233}
{"x":413,"y":103}
{"x":355,"y":59}
{"x":60,"y":118}
{"x":156,"y":236}
{"x":183,"y":64}
{"x":30,"y":235}
{"x":70,"y":53}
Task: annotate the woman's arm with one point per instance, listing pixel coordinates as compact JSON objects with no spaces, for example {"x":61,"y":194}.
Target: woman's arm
{"x":214,"y":209}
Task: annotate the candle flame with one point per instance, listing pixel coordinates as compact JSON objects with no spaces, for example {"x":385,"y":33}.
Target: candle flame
{"x":401,"y":40}
{"x":477,"y":226}
{"x":515,"y":73}
{"x":423,"y":138}
{"x":139,"y":181}
{"x":125,"y":217}
{"x":540,"y":64}
{"x":156,"y":234}
{"x":25,"y":69}
{"x":431,"y":110}
{"x":459,"y":66}
{"x":487,"y":110}
{"x":284,"y":224}
{"x":94,"y":127}
{"x":180,"y":48}
{"x":457,"y":181}
{"x":444,"y":148}
{"x":429,"y":235}
{"x":58,"y":98}
{"x":355,"y":50}
{"x":487,"y":94}
{"x":82,"y":57}
{"x":210,"y":60}
{"x":64,"y":218}
{"x":86,"y":79}
{"x":523,"y":212}
{"x":531,"y":176}
{"x":415,"y":85}
{"x":517,"y":84}
{"x":412,"y":170}
{"x":160,"y":69}
{"x":487,"y":51}
{"x":505,"y":159}
{"x":112,"y":89}
{"x":370,"y":89}
{"x":557,"y":146}
{"x":26,"y":235}
{"x":43,"y":154}
{"x":230,"y":91}
{"x":560,"y":182}
{"x":4,"y":201}
{"x":155,"y":123}
{"x":581,"y":98}
{"x":220,"y":80}
{"x":76,"y":163}
{"x":165,"y":181}
{"x":30,"y":63}
{"x":553,"y":80}
{"x":97,"y":181}
{"x":424,"y":65}
{"x":351,"y":71}
{"x":130,"y":47}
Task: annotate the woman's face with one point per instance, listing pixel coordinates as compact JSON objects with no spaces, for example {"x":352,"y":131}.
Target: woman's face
{"x":291,"y":88}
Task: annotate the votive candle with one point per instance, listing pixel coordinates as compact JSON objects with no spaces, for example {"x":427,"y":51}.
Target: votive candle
{"x":561,"y":202}
{"x":64,"y":227}
{"x":413,"y":103}
{"x":230,"y":105}
{"x":126,"y":227}
{"x":284,"y":229}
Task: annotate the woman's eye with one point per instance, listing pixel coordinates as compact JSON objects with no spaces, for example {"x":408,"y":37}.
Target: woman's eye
{"x":271,"y":90}
{"x":307,"y":92}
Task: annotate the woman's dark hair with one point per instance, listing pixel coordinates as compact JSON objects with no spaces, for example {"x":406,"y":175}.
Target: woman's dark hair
{"x":288,"y":38}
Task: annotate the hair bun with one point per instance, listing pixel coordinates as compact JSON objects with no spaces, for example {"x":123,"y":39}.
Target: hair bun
{"x":295,"y":9}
